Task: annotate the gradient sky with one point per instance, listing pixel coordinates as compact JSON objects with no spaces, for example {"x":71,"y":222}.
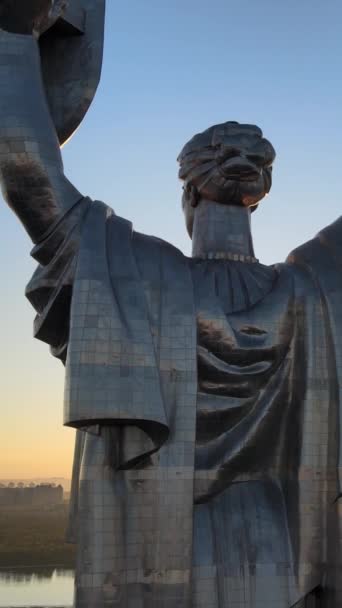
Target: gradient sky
{"x":172,"y":69}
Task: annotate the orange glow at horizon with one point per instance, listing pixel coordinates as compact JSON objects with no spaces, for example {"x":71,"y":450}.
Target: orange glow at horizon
{"x":26,"y":455}
{"x":33,"y":441}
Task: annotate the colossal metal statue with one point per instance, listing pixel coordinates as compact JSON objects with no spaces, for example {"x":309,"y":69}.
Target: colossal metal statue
{"x":205,"y":391}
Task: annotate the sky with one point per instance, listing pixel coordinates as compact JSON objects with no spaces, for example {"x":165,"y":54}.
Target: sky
{"x":172,"y":69}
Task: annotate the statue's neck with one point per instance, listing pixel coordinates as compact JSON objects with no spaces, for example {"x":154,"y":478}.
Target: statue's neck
{"x":221,"y":229}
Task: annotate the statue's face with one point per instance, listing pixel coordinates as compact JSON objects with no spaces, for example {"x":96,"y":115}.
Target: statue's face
{"x":230,"y":164}
{"x":243,"y":167}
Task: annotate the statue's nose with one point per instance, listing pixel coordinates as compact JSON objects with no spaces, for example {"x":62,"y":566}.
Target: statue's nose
{"x":227,"y":151}
{"x":256,"y":158}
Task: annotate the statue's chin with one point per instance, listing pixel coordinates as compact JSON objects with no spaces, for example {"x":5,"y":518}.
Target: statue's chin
{"x":252,"y":192}
{"x":243,"y":192}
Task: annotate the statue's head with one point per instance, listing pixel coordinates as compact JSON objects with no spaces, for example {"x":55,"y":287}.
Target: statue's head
{"x":230,"y":163}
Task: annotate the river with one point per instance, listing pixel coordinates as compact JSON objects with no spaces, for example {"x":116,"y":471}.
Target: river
{"x":36,"y":587}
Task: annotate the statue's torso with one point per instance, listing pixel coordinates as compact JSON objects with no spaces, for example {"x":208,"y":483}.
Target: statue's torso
{"x":240,"y":345}
{"x":260,"y":441}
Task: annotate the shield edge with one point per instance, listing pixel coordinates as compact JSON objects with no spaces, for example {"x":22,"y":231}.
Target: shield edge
{"x":71,"y":68}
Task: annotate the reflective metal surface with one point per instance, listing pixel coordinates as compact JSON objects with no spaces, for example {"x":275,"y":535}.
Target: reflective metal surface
{"x":205,"y":391}
{"x":71,"y":53}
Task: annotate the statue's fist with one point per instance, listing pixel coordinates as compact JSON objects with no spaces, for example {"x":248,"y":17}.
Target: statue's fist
{"x":30,"y":16}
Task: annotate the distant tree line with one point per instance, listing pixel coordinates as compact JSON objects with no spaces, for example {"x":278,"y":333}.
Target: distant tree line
{"x":35,"y":495}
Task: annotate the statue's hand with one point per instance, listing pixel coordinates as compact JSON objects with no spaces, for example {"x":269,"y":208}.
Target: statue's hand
{"x":30,"y":16}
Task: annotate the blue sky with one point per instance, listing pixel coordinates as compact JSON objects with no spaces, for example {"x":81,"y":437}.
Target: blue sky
{"x":172,"y":69}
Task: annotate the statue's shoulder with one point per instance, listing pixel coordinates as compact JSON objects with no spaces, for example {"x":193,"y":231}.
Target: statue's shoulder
{"x":318,"y":261}
{"x":303,"y":253}
{"x":152,"y":245}
{"x":322,"y":251}
{"x":121,"y":230}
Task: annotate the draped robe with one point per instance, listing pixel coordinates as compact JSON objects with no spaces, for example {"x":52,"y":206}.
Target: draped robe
{"x":206,"y":398}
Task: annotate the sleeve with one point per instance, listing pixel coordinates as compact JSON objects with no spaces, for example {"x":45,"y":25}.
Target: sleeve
{"x":92,"y":311}
{"x":113,"y":371}
{"x":50,"y":288}
{"x":321,"y":257}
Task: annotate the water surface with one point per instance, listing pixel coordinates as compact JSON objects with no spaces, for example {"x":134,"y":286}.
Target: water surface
{"x":24,"y":587}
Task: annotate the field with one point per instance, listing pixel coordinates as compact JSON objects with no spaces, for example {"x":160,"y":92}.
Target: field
{"x":35,"y":537}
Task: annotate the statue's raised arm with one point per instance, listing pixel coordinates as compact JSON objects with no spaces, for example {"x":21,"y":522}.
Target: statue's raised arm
{"x":50,"y":62}
{"x":31,"y":168}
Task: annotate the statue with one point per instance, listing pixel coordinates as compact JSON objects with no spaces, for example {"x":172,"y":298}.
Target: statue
{"x":206,"y":390}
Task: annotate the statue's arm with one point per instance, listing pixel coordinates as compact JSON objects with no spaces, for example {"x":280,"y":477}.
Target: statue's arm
{"x":31,"y":169}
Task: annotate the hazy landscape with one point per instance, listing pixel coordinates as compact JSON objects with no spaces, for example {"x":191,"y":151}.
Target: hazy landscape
{"x":65,"y":483}
{"x":33,"y":536}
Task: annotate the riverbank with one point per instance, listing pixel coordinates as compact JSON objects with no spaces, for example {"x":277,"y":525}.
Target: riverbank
{"x":34,"y":537}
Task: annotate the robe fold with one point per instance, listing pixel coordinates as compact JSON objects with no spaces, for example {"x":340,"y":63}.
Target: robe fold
{"x":206,"y":398}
